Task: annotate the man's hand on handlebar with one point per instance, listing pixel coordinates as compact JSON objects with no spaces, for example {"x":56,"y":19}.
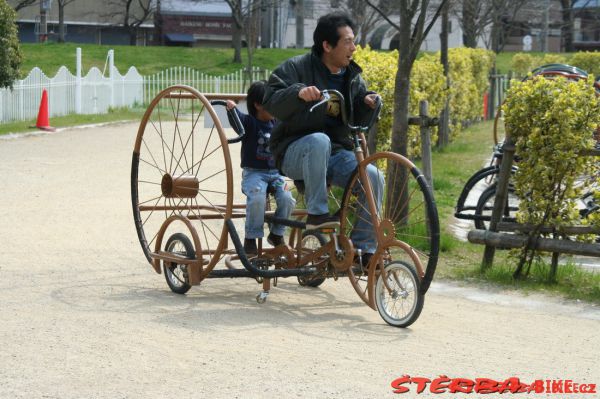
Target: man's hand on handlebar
{"x":310,"y":93}
{"x":371,"y":100}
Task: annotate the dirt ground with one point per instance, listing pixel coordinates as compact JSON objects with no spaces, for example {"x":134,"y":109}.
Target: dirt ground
{"x":83,"y":315}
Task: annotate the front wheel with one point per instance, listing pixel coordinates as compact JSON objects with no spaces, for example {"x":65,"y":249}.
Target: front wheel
{"x":405,"y":211}
{"x":397,"y":294}
{"x":177,"y":275}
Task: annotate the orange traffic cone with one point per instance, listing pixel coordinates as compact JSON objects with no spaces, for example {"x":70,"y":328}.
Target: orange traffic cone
{"x":42,"y":120}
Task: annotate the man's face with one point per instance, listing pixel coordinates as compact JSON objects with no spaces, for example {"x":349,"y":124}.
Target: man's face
{"x":341,"y":55}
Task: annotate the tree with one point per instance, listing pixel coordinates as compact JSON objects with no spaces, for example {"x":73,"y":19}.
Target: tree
{"x":247,"y":16}
{"x":132,"y":14}
{"x":61,"y":18}
{"x":24,"y":3}
{"x":299,"y":12}
{"x":566,"y":30}
{"x":10,"y":52}
{"x":412,"y":29}
{"x":365,"y":17}
{"x":497,"y":16}
{"x":238,"y":28}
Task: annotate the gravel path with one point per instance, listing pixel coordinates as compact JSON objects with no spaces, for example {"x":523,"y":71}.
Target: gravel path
{"x":82,"y":314}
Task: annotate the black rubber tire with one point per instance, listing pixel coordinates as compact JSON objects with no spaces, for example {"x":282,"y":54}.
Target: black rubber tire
{"x":176,"y":274}
{"x":409,"y":285}
{"x":485,"y":205}
{"x":308,"y":280}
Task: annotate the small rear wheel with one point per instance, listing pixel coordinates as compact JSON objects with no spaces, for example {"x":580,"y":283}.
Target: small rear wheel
{"x":398,"y":297}
{"x":176,"y":274}
{"x":311,"y":241}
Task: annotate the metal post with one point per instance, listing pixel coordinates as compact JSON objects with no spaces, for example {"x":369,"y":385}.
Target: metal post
{"x":426,"y":142}
{"x":111,"y":66}
{"x":78,"y":81}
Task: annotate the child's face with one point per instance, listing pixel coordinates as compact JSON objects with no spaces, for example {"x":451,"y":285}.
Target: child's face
{"x":262,"y":114}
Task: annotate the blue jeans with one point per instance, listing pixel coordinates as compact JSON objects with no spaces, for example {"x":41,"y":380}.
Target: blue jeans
{"x":255,"y":183}
{"x":309,"y":158}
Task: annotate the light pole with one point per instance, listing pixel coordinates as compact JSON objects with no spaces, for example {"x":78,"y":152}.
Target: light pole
{"x":43,"y":31}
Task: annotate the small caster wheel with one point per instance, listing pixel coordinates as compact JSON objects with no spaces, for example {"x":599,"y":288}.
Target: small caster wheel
{"x":262,"y":297}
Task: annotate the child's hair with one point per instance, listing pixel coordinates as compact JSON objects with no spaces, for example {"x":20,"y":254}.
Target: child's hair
{"x":256,"y":92}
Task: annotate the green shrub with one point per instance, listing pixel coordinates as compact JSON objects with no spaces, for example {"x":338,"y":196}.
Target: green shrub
{"x":523,"y":63}
{"x":10,"y":53}
{"x":551,"y":122}
{"x":588,"y":61}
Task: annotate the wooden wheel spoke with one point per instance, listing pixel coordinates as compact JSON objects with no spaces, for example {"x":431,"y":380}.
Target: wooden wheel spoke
{"x":155,"y":162}
{"x":211,"y":176}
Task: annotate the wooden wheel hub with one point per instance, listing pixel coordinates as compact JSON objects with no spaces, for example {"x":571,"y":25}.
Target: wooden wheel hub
{"x":183,"y":186}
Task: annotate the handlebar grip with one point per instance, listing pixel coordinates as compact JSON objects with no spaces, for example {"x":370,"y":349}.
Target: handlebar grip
{"x":375,"y":114}
{"x":238,"y":127}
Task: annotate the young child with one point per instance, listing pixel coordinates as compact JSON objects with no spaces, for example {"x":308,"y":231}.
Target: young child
{"x":259,"y":172}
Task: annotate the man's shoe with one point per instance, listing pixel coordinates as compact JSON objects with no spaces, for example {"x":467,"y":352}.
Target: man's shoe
{"x":250,"y":247}
{"x":275,"y":240}
{"x":316,"y":222}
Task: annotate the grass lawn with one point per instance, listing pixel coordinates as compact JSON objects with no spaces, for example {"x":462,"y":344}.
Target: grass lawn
{"x":148,"y":60}
{"x":151,"y":59}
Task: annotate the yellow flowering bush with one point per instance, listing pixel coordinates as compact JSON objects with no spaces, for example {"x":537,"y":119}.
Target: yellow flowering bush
{"x":589,"y":61}
{"x":552,"y":121}
{"x":469,"y":70}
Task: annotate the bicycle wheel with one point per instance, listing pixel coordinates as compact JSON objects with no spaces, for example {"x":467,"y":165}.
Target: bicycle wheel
{"x":311,"y":241}
{"x":485,"y":206}
{"x":466,"y":205}
{"x":181,"y":171}
{"x":176,"y":274}
{"x":398,"y":297}
{"x":407,"y":213}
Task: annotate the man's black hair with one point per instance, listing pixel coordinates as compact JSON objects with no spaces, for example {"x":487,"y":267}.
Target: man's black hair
{"x":327,"y":30}
{"x":255,"y":95}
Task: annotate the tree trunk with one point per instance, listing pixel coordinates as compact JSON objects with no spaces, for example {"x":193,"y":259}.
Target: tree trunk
{"x":469,"y":24}
{"x":132,"y":35}
{"x":61,"y":22}
{"x":395,"y":194}
{"x":443,"y":131}
{"x":237,"y":44}
{"x":299,"y":23}
{"x":567,"y":26}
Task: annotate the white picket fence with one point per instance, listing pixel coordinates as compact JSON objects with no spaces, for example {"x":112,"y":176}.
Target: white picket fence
{"x":95,"y":92}
{"x":236,"y":82}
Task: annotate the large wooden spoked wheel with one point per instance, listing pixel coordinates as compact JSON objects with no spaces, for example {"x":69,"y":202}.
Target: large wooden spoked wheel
{"x":181,"y":172}
{"x":407,"y":221}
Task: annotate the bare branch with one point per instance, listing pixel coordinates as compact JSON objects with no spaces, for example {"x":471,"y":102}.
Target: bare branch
{"x":383,"y":14}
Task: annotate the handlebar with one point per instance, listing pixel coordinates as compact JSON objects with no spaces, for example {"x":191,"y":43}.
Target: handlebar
{"x":326,"y":94}
{"x":238,"y":127}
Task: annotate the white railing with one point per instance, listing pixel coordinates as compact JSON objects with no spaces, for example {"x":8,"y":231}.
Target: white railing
{"x":236,"y":82}
{"x":98,"y":93}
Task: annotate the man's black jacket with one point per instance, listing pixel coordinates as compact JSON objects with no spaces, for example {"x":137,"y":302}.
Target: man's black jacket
{"x":292,"y":113}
